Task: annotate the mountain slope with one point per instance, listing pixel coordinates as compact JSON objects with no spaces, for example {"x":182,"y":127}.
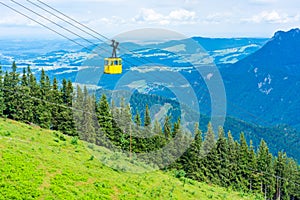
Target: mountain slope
{"x":42,"y":164}
{"x":266,"y":83}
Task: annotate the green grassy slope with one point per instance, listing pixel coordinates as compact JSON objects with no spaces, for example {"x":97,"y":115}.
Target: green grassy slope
{"x":42,"y":164}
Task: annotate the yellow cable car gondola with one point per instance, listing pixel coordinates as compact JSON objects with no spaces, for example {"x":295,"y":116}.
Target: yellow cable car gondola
{"x":113,"y":65}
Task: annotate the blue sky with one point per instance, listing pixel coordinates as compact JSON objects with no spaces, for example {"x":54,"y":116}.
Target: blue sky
{"x":209,"y":18}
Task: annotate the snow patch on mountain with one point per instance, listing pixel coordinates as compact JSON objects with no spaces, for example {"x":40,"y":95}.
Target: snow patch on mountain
{"x":230,"y":59}
{"x":176,"y":48}
{"x":147,"y":69}
{"x":244,"y":48}
{"x":264,"y":85}
{"x":138,"y":85}
{"x":66,"y":71}
{"x":209,"y":76}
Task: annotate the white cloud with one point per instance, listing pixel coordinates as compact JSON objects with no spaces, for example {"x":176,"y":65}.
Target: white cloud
{"x":182,"y":14}
{"x":179,"y":16}
{"x":150,"y":15}
{"x":14,"y":21}
{"x":112,"y":20}
{"x":191,"y":17}
{"x":17,"y":20}
{"x":273,"y":17}
{"x":219,"y":17}
{"x":263,"y":1}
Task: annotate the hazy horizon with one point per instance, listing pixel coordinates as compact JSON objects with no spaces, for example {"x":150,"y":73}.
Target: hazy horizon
{"x":214,"y":19}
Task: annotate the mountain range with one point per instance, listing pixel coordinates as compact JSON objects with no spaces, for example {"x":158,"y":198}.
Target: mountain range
{"x":260,"y":75}
{"x":266,"y":83}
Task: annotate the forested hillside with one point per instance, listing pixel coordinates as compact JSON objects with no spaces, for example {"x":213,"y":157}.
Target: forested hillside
{"x":225,"y":161}
{"x":42,"y":164}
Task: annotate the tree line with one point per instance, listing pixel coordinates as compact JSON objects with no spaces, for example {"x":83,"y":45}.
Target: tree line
{"x":75,"y":112}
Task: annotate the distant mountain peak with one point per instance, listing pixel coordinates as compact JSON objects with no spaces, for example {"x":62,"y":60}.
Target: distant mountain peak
{"x":282,"y":51}
{"x":281,"y":35}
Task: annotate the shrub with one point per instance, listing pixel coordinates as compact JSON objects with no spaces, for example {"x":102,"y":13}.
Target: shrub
{"x":62,"y":137}
{"x":5,"y":133}
{"x":56,"y":140}
{"x":180,"y":173}
{"x":91,"y":158}
{"x":74,"y":140}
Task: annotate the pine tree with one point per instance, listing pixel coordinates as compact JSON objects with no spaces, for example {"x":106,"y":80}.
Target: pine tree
{"x":293,"y":177}
{"x":12,"y":93}
{"x":34,"y":92}
{"x":281,"y":175}
{"x":86,"y":116}
{"x":116,"y":123}
{"x":233,"y":159}
{"x":69,"y":93}
{"x":56,"y":100}
{"x":222,"y":162}
{"x":126,"y":117}
{"x":209,"y":140}
{"x":243,"y":171}
{"x":24,"y":81}
{"x":78,"y":105}
{"x":127,"y":124}
{"x":14,"y":74}
{"x":167,"y":128}
{"x":159,"y":139}
{"x":252,"y":165}
{"x":147,"y":120}
{"x":43,"y":111}
{"x":66,"y":123}
{"x":26,"y":106}
{"x":29,"y":73}
{"x":176,"y":128}
{"x":211,"y":160}
{"x":104,"y":118}
{"x":137,"y":120}
{"x":266,"y":168}
{"x":192,"y":160}
{"x":2,"y":103}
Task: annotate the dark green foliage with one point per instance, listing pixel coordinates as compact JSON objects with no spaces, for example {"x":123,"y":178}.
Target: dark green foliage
{"x":224,"y":161}
{"x":66,"y":119}
{"x":137,"y":120}
{"x":176,"y":128}
{"x":167,"y":128}
{"x":55,"y":99}
{"x":74,"y":140}
{"x":235,"y":164}
{"x":243,"y":172}
{"x":266,"y":168}
{"x":192,"y":160}
{"x":84,"y":116}
{"x":2,"y":104}
{"x":180,"y":173}
{"x":232,"y":157}
{"x":105,"y":119}
{"x":147,"y":120}
{"x":209,"y":142}
{"x":11,"y":93}
{"x":35,"y":102}
{"x":222,"y":152}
